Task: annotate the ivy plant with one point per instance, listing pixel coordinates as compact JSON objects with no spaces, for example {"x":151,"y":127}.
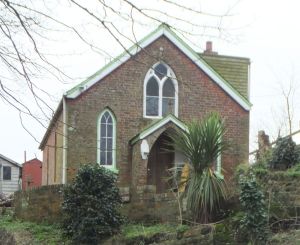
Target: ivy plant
{"x":254,"y":223}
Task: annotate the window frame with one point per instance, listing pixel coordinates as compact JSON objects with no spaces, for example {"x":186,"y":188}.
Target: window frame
{"x":218,"y":165}
{"x":218,"y":170}
{"x":171,"y":75}
{"x":4,"y":179}
{"x":113,"y":166}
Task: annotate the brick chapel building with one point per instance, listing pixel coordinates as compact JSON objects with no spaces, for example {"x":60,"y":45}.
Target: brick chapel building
{"x":119,"y":116}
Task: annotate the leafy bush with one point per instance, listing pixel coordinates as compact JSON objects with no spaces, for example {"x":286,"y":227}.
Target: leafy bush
{"x":285,"y":154}
{"x":254,"y":222}
{"x":90,"y":205}
{"x":264,"y":158}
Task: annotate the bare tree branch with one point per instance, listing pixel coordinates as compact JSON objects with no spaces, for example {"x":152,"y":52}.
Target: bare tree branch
{"x":26,"y":28}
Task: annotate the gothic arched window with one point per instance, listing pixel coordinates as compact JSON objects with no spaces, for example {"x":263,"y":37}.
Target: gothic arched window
{"x":107,"y":140}
{"x":160,"y":92}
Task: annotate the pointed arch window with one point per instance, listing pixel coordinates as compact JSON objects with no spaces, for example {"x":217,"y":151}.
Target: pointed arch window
{"x":107,"y":140}
{"x":160,"y":92}
{"x":152,"y":97}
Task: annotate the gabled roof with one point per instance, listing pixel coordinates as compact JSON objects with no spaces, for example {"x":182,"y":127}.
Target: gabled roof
{"x":157,"y":125}
{"x":232,"y":69}
{"x":10,"y":161}
{"x":51,"y":124}
{"x":162,"y":30}
{"x":34,"y":160}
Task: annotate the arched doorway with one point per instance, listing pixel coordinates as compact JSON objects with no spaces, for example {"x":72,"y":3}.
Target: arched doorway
{"x":160,"y":160}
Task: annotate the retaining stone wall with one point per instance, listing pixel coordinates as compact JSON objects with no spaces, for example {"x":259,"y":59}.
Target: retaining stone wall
{"x":282,"y":193}
{"x":42,"y":204}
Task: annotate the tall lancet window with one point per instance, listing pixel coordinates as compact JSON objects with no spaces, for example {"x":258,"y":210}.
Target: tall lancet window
{"x":107,"y":140}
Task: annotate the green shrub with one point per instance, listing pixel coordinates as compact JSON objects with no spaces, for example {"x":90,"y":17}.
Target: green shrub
{"x":285,"y":154}
{"x":263,"y":158}
{"x":254,"y":222}
{"x":90,"y":205}
{"x":260,"y":170}
{"x":242,"y":169}
{"x":223,"y":234}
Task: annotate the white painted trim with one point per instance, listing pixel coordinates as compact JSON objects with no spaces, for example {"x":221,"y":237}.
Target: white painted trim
{"x":171,"y":75}
{"x":160,"y":124}
{"x":114,"y":150}
{"x":249,"y":80}
{"x":1,"y":181}
{"x":163,"y":30}
{"x":65,"y":142}
{"x":218,"y":170}
{"x":219,"y":165}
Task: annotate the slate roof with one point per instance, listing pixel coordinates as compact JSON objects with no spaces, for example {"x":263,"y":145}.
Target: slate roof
{"x":232,"y":69}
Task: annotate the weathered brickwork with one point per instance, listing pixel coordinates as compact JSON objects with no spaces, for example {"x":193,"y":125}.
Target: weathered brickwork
{"x":122,"y":92}
{"x":44,"y":204}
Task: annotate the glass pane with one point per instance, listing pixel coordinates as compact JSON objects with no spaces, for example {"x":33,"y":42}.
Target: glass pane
{"x":168,"y":106}
{"x":103,"y":130}
{"x":152,"y":87}
{"x":103,"y":118}
{"x":109,"y":158}
{"x":152,"y":106}
{"x":109,"y":130}
{"x":161,"y":70}
{"x":103,"y":158}
{"x":168,"y":88}
{"x":103,"y":144}
{"x":6,"y":173}
{"x":109,"y":144}
{"x":109,"y":119}
{"x":106,"y":114}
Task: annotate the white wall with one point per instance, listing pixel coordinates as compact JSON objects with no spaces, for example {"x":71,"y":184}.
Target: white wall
{"x":9,"y":186}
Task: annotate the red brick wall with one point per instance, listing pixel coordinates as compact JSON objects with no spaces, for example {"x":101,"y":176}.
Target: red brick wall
{"x":122,"y":92}
{"x":31,"y":174}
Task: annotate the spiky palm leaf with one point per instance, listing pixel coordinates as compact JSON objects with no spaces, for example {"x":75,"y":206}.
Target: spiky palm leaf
{"x":201,"y":144}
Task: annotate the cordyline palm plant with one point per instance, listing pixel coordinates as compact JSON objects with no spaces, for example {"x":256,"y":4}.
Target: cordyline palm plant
{"x":201,"y":144}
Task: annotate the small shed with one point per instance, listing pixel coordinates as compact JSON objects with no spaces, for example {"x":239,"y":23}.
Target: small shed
{"x":10,"y":175}
{"x":31,"y":174}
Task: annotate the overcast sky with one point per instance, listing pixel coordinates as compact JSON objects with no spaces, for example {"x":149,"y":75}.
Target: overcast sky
{"x":266,"y":31}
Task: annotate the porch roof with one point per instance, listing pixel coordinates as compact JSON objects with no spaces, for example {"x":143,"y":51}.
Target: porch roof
{"x":157,"y":125}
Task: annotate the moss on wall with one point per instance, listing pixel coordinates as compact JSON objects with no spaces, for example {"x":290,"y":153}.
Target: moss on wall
{"x":42,"y":204}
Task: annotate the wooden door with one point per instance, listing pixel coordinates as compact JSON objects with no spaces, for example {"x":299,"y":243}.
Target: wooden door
{"x":159,"y":161}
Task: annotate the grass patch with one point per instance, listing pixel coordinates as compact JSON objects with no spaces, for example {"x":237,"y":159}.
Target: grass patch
{"x":41,"y":233}
{"x":52,"y":234}
{"x":287,"y":238}
{"x":136,"y":230}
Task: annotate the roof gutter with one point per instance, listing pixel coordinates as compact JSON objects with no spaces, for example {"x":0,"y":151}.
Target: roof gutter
{"x":65,"y":140}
